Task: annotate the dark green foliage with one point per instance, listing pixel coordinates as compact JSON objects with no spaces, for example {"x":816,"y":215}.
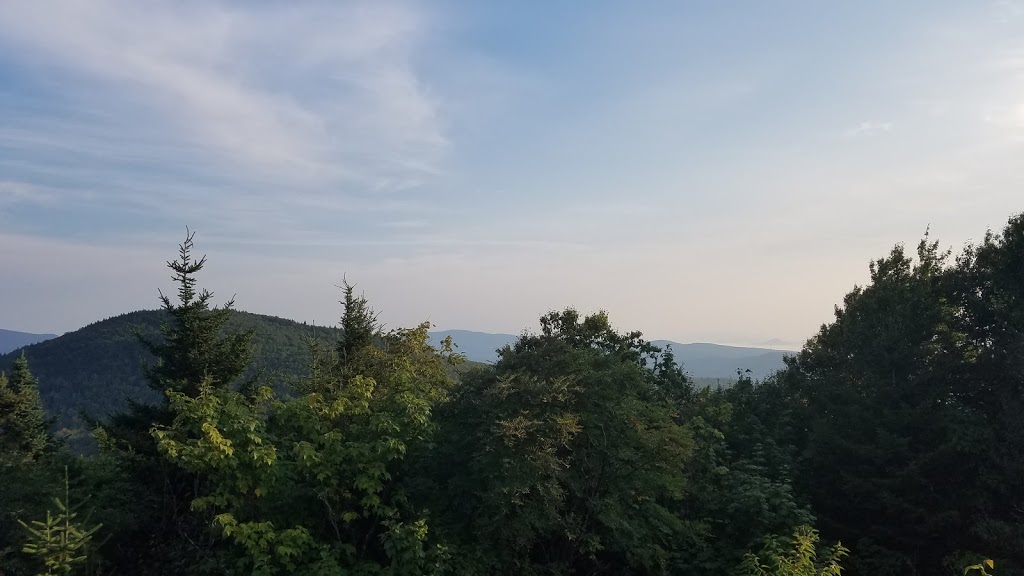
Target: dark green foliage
{"x":99,"y":368}
{"x":193,"y":347}
{"x":25,"y":452}
{"x":990,"y":294}
{"x":909,"y":411}
{"x":193,"y":355}
{"x":23,"y":425}
{"x":27,"y":489}
{"x":94,"y":369}
{"x":313,"y":484}
{"x":566,"y":456}
{"x":583,"y":450}
{"x":886,"y":430}
{"x":358,"y":327}
{"x":742,"y":478}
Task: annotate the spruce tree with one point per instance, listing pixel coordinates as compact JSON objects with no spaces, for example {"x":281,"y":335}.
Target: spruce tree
{"x":193,"y":355}
{"x":61,"y":542}
{"x":24,"y":445}
{"x":318,"y":483}
{"x":23,"y":433}
{"x":358,"y":325}
{"x":192,"y":350}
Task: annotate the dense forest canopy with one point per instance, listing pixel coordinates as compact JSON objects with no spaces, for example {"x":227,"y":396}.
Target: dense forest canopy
{"x":890,"y":444}
{"x":99,"y":369}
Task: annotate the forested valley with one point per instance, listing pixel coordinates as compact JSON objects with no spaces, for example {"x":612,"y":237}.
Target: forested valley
{"x":892,"y":443}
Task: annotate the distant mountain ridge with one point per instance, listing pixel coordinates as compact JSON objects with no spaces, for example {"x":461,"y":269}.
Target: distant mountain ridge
{"x":98,"y":368}
{"x":11,"y":340}
{"x":699,"y":359}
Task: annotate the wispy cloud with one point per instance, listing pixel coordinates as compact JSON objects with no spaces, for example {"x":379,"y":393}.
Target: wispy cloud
{"x":406,"y":224}
{"x":867,"y":129}
{"x":256,"y":99}
{"x":1007,"y":117}
{"x":21,"y":192}
{"x":1008,"y":10}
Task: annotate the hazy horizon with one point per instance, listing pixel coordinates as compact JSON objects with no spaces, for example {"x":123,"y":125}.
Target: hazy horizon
{"x":701,"y":173}
{"x":770,"y":345}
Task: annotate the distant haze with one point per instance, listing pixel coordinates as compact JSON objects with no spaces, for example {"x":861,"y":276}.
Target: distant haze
{"x":702,"y":360}
{"x":11,"y":340}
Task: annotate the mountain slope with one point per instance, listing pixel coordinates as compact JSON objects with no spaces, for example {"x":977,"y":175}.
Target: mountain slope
{"x":477,"y":346}
{"x":701,"y":360}
{"x":704,"y":360}
{"x":11,"y":340}
{"x":99,"y":367}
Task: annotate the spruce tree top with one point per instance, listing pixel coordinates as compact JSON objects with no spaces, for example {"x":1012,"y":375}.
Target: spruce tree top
{"x":193,"y":347}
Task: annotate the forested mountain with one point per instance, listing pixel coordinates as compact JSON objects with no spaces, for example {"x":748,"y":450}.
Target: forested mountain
{"x":895,"y":431}
{"x":98,"y":368}
{"x":11,"y":340}
{"x":700,"y":360}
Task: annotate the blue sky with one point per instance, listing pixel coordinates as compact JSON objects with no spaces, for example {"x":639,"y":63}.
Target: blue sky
{"x":704,"y":171}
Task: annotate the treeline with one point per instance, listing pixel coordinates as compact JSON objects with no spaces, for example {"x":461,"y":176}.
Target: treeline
{"x":584,"y":450}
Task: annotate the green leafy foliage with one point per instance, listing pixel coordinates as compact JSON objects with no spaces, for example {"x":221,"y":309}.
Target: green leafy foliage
{"x":60,"y":542}
{"x":799,"y":556}
{"x":742,"y":478}
{"x":314,"y":483}
{"x":193,"y":355}
{"x":566,"y":456}
{"x":583,"y":450}
{"x":980,"y":568}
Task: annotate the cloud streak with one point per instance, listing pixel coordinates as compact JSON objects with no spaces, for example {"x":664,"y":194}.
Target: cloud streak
{"x":253,"y":99}
{"x":867,"y":129}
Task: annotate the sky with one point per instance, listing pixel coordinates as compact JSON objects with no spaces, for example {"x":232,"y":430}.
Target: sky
{"x":703,"y":171}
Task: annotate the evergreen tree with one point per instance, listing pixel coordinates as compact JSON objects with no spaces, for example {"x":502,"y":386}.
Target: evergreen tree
{"x":25,"y":455}
{"x":359,"y":327}
{"x":889,"y":448}
{"x":61,"y":542}
{"x":192,"y":356}
{"x":317,"y":483}
{"x":23,"y":424}
{"x":907,"y":411}
{"x":192,"y":350}
{"x":990,"y":299}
